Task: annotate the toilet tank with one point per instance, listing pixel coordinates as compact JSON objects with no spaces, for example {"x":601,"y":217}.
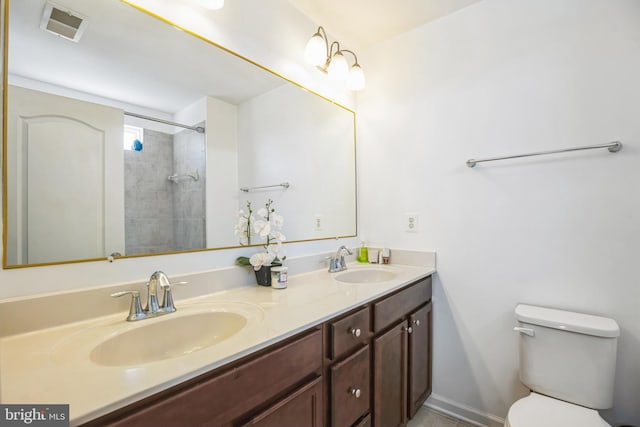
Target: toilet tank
{"x":566,"y":355}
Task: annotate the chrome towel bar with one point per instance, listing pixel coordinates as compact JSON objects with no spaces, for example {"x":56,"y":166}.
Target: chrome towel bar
{"x":613,"y":147}
{"x":283,"y":185}
{"x":198,"y":129}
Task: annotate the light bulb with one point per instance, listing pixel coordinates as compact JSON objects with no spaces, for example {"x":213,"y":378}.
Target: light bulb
{"x":211,"y":4}
{"x":356,"y":80}
{"x":338,"y":67}
{"x":315,"y":53}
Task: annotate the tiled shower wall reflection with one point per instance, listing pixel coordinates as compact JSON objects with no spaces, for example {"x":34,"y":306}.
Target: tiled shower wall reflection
{"x":189,"y":195}
{"x":161,"y":215}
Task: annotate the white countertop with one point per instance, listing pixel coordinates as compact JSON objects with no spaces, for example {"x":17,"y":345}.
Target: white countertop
{"x":52,"y":366}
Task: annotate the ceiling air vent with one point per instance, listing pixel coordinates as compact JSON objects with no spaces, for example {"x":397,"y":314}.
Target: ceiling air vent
{"x":63,"y":22}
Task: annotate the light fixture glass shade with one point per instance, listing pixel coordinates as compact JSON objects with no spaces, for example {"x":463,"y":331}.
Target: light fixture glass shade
{"x":211,"y":4}
{"x":338,"y":67}
{"x":315,"y":53}
{"x":356,"y":80}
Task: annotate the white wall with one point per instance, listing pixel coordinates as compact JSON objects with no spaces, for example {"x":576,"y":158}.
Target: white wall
{"x":241,"y":26}
{"x":504,"y":77}
{"x":222,"y":172}
{"x":290,"y":135}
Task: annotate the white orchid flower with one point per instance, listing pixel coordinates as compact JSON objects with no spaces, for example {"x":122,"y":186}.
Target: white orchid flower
{"x":242,"y":223}
{"x":262,"y":212}
{"x":276,"y":250}
{"x":278,"y":236}
{"x":261,"y":227}
{"x":260,"y":259}
{"x":276,"y":220}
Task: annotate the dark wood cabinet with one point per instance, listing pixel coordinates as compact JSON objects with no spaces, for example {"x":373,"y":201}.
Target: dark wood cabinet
{"x":390,"y":377}
{"x":350,"y":389}
{"x":226,"y":396}
{"x":348,"y":333}
{"x":420,"y":350}
{"x":364,"y":422}
{"x":348,"y":368}
{"x":402,"y":353}
{"x":302,"y":408}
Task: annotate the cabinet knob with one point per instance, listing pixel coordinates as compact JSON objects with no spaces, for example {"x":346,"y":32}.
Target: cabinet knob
{"x":416,"y":322}
{"x":409,"y":329}
{"x":355,"y":392}
{"x":355,"y":332}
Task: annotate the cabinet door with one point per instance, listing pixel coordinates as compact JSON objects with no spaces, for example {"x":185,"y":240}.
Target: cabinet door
{"x":390,"y":377}
{"x":420,"y":342}
{"x":303,"y":408}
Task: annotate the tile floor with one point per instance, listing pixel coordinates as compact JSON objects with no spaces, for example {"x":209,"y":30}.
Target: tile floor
{"x":429,"y":418}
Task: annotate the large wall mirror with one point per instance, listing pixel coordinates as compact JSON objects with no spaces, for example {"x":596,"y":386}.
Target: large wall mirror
{"x":124,"y":136}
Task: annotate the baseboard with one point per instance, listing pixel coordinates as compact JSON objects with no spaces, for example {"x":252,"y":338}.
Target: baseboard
{"x":462,"y":412}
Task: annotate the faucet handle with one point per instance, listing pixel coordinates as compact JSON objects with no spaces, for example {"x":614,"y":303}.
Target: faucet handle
{"x":135,"y":311}
{"x":167,"y":296}
{"x":166,"y":285}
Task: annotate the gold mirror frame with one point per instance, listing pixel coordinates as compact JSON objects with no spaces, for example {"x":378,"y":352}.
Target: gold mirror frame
{"x":5,"y":55}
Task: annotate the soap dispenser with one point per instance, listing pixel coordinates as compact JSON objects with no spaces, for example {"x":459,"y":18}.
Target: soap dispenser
{"x":363,"y":254}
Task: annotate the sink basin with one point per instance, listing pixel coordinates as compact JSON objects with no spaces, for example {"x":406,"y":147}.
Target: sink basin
{"x":366,"y":275}
{"x":167,"y":337}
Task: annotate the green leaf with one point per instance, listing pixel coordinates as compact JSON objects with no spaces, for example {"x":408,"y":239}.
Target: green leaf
{"x":243,"y":260}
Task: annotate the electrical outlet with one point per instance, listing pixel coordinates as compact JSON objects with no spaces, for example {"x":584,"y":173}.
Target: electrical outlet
{"x":411,"y":223}
{"x":318,"y":223}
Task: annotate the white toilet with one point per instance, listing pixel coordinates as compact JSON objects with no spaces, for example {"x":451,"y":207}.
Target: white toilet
{"x":568,"y":360}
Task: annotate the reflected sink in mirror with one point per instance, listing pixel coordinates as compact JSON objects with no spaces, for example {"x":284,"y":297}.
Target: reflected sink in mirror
{"x":167,"y":338}
{"x":366,"y":275}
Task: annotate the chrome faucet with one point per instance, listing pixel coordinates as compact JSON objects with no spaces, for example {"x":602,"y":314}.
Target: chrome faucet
{"x":337,"y":262}
{"x":153,"y":309}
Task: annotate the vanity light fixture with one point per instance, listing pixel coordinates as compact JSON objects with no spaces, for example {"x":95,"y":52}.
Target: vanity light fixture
{"x":211,"y":4}
{"x":320,"y":53}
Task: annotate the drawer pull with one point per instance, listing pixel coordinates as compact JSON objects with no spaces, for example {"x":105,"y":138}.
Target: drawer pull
{"x":355,"y":392}
{"x":408,"y":330}
{"x":355,"y":332}
{"x":416,"y":322}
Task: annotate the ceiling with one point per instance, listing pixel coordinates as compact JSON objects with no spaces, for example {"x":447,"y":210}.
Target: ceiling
{"x":128,"y":56}
{"x":108,"y":64}
{"x":361,"y":23}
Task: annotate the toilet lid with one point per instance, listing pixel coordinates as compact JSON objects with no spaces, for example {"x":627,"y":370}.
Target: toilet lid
{"x":537,"y":410}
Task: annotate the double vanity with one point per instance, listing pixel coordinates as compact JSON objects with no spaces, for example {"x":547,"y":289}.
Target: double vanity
{"x":343,"y":349}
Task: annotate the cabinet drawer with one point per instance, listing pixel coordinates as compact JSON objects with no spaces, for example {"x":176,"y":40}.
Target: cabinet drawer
{"x":303,"y":408}
{"x":349,"y":333}
{"x":350,"y":383}
{"x":395,"y":307}
{"x":221,"y":399}
{"x":365,"y":422}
